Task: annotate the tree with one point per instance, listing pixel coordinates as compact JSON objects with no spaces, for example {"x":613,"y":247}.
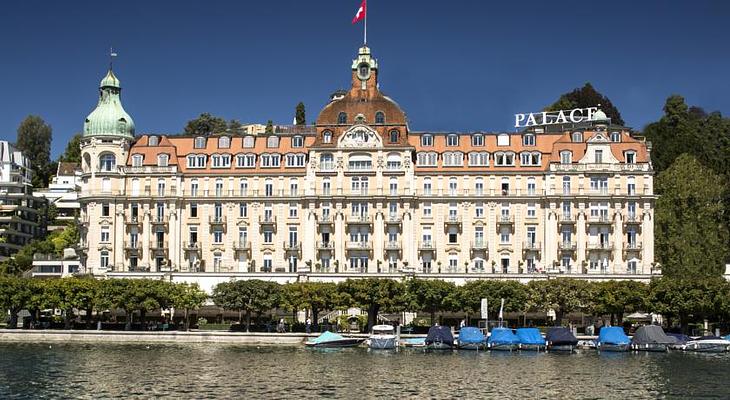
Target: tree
{"x":235,"y":127}
{"x":34,"y":140}
{"x":315,"y":296}
{"x":205,"y":124}
{"x":299,"y":115}
{"x":188,"y":296}
{"x":562,"y":295}
{"x":69,"y":294}
{"x":468,"y":297}
{"x":132,"y":295}
{"x":374,"y":295}
{"x":691,"y":233}
{"x":246,"y":296}
{"x":269,"y":127}
{"x":617,"y":297}
{"x":686,"y":299}
{"x":430,"y":296}
{"x":15,"y":295}
{"x":585,"y":97}
{"x":73,"y":150}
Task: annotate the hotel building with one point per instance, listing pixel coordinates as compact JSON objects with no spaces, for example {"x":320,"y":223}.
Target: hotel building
{"x":360,"y":194}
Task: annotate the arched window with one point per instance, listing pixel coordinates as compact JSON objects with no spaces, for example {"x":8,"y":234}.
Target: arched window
{"x":394,"y":136}
{"x":137,"y":160}
{"x":199,"y":142}
{"x":162,"y":160}
{"x":566,"y":185}
{"x":342,"y":118}
{"x":566,"y":157}
{"x":577,"y":137}
{"x":272,"y":142}
{"x":153,"y":141}
{"x":452,"y":186}
{"x":327,"y":137}
{"x":360,"y":162}
{"x":393,"y":162}
{"x":224,"y":142}
{"x":427,"y":186}
{"x":379,"y":117}
{"x":297,"y":141}
{"x":107,"y":162}
{"x":452,"y":140}
{"x":248,"y":141}
{"x":327,"y":162}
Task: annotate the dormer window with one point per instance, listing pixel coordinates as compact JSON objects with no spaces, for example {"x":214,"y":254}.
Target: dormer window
{"x":477,"y":140}
{"x":248,"y":142}
{"x":379,"y":117}
{"x":530,"y":159}
{"x":528,"y":140}
{"x":137,"y":160}
{"x":162,"y":160}
{"x":342,"y":118}
{"x":221,"y":160}
{"x":452,"y":140}
{"x":297,"y":141}
{"x":615,"y":137}
{"x":224,"y":142}
{"x":566,"y":157}
{"x":427,"y":141}
{"x":630,"y":157}
{"x":327,"y":137}
{"x":503,"y":140}
{"x":199,"y":142}
{"x":153,"y":141}
{"x":453,"y":159}
{"x":504,"y":159}
{"x":394,"y":136}
{"x":196,"y":160}
{"x":577,"y":137}
{"x":272,"y":142}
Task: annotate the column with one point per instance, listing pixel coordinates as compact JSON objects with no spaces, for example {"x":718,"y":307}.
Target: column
{"x":580,"y":238}
{"x":619,"y":264}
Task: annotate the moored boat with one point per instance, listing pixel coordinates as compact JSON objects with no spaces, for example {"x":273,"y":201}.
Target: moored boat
{"x":330,"y":340}
{"x":471,"y":338}
{"x":560,"y":338}
{"x":708,"y":344}
{"x":679,"y":340}
{"x":382,"y":337}
{"x":651,"y":338}
{"x":439,"y":338}
{"x":613,"y":338}
{"x":502,"y":339}
{"x":530,"y":339}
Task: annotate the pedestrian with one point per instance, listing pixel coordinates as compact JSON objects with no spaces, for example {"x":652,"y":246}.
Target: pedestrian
{"x":309,"y":326}
{"x":282,"y":327}
{"x":462,"y":323}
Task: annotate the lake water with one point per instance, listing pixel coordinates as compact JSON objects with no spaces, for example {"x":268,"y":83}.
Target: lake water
{"x":54,"y":371}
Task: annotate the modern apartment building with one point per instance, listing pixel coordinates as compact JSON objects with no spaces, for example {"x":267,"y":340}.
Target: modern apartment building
{"x":360,"y":194}
{"x":20,"y":221}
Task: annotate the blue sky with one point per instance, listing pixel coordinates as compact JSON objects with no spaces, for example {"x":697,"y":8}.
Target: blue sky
{"x":452,"y":65}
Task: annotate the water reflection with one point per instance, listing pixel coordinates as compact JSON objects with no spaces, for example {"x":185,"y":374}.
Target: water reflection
{"x":30,"y":371}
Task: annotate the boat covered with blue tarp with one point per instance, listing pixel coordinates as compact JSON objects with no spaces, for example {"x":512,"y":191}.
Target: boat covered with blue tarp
{"x":502,"y":339}
{"x":439,"y":338}
{"x":613,"y":338}
{"x":530,"y":339}
{"x":471,"y":338}
{"x":329,"y":339}
{"x":560,"y":338}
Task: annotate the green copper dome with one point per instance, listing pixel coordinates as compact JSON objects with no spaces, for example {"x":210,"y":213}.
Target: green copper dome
{"x":109,"y":117}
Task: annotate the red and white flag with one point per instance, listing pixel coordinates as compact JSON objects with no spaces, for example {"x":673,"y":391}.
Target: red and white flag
{"x":360,"y":14}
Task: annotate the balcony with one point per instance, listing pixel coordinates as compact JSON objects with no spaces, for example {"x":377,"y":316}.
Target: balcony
{"x":392,"y":245}
{"x":359,"y":220}
{"x":134,"y":246}
{"x":325,"y":220}
{"x":359,"y":245}
{"x":393,"y":219}
{"x":241,"y":245}
{"x":159,"y":220}
{"x":505,"y":220}
{"x":158,"y":245}
{"x":427,"y":246}
{"x":600,"y":246}
{"x":452,"y":220}
{"x":325,"y":245}
{"x":292,"y":246}
{"x":267,"y":220}
{"x":133,"y":220}
{"x":566,"y":219}
{"x":600,"y":219}
{"x":217,"y":219}
{"x":632,"y":219}
{"x":479,"y":245}
{"x":531,"y":246}
{"x":634,"y":247}
{"x":191,"y":246}
{"x":567,"y":246}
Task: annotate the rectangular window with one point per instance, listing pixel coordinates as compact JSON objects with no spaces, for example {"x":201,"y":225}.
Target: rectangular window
{"x":630,"y":157}
{"x":479,"y":210}
{"x":427,"y":209}
{"x":242,"y":210}
{"x":193,"y":210}
{"x":104,"y":234}
{"x":477,"y":140}
{"x":528,"y":140}
{"x":293,"y":210}
{"x":246,"y":160}
{"x":105,"y":210}
{"x":427,"y":140}
{"x":268,"y":236}
{"x":531,"y":210}
{"x":452,"y":140}
{"x":218,"y":236}
{"x":598,"y":156}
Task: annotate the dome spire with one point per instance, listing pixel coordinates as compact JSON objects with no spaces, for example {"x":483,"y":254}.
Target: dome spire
{"x":109,"y":117}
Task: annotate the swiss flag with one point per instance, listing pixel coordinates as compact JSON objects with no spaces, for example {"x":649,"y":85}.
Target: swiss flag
{"x":360,"y":14}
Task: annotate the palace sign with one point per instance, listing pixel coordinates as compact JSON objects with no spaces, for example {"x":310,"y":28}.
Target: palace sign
{"x":555,"y":117}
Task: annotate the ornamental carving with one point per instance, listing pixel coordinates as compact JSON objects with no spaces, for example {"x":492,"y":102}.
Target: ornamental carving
{"x":360,"y":136}
{"x":340,"y":162}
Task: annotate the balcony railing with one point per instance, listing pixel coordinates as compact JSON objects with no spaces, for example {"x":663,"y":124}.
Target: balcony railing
{"x":159,"y":219}
{"x":158,"y":245}
{"x":633,"y":246}
{"x":505,"y":219}
{"x":567,"y":219}
{"x":427,"y":245}
{"x":240,"y":245}
{"x":452,"y":220}
{"x":292,"y":246}
{"x":359,"y":219}
{"x":217,"y":219}
{"x":358,"y":245}
{"x":600,"y":246}
{"x":531,"y":245}
{"x":133,"y":245}
{"x":567,"y":246}
{"x":325,"y":220}
{"x":191,"y":246}
{"x":392,"y":245}
{"x":393,"y":219}
{"x":479,"y":245}
{"x":267,"y":219}
{"x":325,"y":245}
{"x":632,"y":219}
{"x":327,"y":166}
{"x":133,"y":220}
{"x":600,"y":219}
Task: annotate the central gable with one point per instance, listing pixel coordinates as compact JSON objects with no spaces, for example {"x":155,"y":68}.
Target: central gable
{"x":360,"y":136}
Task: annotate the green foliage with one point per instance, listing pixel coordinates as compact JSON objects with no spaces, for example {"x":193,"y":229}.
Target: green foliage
{"x":315,"y":296}
{"x":299,"y":115}
{"x":689,"y":299}
{"x":188,"y":296}
{"x":564,"y":295}
{"x":469,"y":296}
{"x":618,"y":297}
{"x":34,"y":140}
{"x":73,"y":150}
{"x":269,"y":127}
{"x":430,"y":296}
{"x":205,"y":125}
{"x":247,"y":296}
{"x":585,"y":97}
{"x":373,"y":295}
{"x":691,"y":230}
{"x":234,"y":127}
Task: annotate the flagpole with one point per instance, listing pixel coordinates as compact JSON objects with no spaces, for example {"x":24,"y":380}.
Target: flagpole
{"x":365,"y":39}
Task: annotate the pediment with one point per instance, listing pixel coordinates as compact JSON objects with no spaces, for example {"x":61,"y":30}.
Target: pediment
{"x":598,"y":138}
{"x":360,"y":136}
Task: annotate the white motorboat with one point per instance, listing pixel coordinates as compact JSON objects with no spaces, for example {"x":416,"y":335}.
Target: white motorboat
{"x":383,"y":338}
{"x":708,"y":344}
